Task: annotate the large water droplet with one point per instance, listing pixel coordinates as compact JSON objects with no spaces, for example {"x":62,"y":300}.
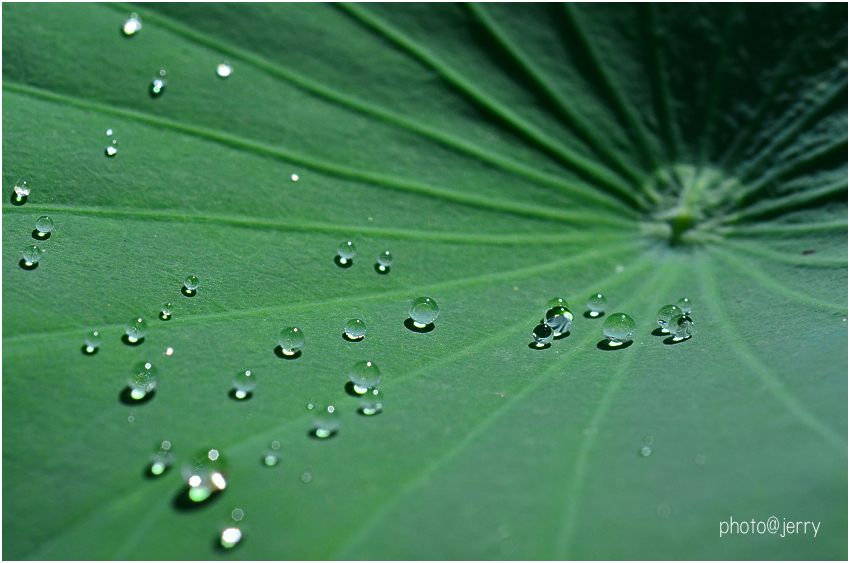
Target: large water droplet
{"x":243,"y":383}
{"x":93,"y":341}
{"x":364,"y":375}
{"x":190,"y":285}
{"x":32,"y":254}
{"x":355,"y":330}
{"x":596,"y":304}
{"x":325,"y":421}
{"x":666,"y":313}
{"x":142,"y":380}
{"x":681,"y":327}
{"x":371,"y":402}
{"x":162,"y":459}
{"x":346,"y":253}
{"x":136,"y":329}
{"x":22,"y":190}
{"x":423,"y":311}
{"x":559,"y":319}
{"x":205,"y":473}
{"x":685,"y":305}
{"x":224,"y":69}
{"x":291,"y":340}
{"x":132,"y":25}
{"x":542,"y":335}
{"x":44,"y":225}
{"x":557,"y":302}
{"x":619,"y":328}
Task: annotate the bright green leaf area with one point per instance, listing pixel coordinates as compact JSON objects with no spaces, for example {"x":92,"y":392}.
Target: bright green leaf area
{"x":505,"y":154}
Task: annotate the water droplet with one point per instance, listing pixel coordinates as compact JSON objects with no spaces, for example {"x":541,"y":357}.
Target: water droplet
{"x":224,"y":69}
{"x":205,"y":473}
{"x":22,"y":190}
{"x":167,"y":310}
{"x":244,"y":382}
{"x":111,"y":151}
{"x":294,"y":177}
{"x":542,"y":335}
{"x":32,"y":254}
{"x":372,"y":401}
{"x":346,"y":252}
{"x":385,"y":260}
{"x":306,"y":476}
{"x":158,"y":84}
{"x":648,"y":440}
{"x":685,"y":305}
{"x":162,"y":459}
{"x":681,"y":327}
{"x":44,"y":225}
{"x":364,"y":375}
{"x":619,"y":328}
{"x":663,"y":511}
{"x":131,"y":418}
{"x":93,"y":341}
{"x":423,"y":311}
{"x":559,"y":319}
{"x":557,"y":302}
{"x":666,"y":313}
{"x":142,"y":380}
{"x":132,"y":25}
{"x":169,"y":351}
{"x":699,"y":459}
{"x":237,"y":514}
{"x":311,"y":404}
{"x":275,"y":445}
{"x":646,"y":451}
{"x":355,"y":329}
{"x":109,"y":132}
{"x":136,"y":329}
{"x":272,"y":456}
{"x":230,"y":537}
{"x":596,"y":304}
{"x":190,"y":284}
{"x":291,"y":340}
{"x":325,"y":421}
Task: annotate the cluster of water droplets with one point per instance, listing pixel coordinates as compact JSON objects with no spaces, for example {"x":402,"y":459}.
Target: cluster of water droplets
{"x":676,"y":321}
{"x":111,"y":149}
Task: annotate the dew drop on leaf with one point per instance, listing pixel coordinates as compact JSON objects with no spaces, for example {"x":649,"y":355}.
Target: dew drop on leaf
{"x":325,"y":421}
{"x":355,"y":330}
{"x":44,"y":225}
{"x":132,"y":25}
{"x":596,"y":304}
{"x":244,"y":382}
{"x":224,"y":69}
{"x":542,"y":335}
{"x":666,"y":313}
{"x":423,"y":311}
{"x":364,"y":375}
{"x":93,"y":341}
{"x":291,"y":340}
{"x":136,"y":329}
{"x":619,"y":328}
{"x":371,"y":402}
{"x":32,"y":254}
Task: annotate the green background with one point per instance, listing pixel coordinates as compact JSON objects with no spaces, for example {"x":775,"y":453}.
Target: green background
{"x":505,"y":154}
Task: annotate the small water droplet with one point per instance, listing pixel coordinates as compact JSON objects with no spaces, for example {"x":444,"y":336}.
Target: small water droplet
{"x":685,"y":305}
{"x":306,"y":476}
{"x":663,"y":511}
{"x":385,"y":260}
{"x":32,"y":254}
{"x":132,"y":25}
{"x":372,"y":402}
{"x":158,"y":84}
{"x":355,"y":329}
{"x":224,"y":69}
{"x":205,"y":473}
{"x":556,"y":302}
{"x":131,"y":418}
{"x":111,"y":151}
{"x":559,"y":319}
{"x":423,"y":311}
{"x":294,"y":177}
{"x":142,"y":380}
{"x":649,"y":440}
{"x":167,"y":310}
{"x":230,"y":537}
{"x":136,"y":329}
{"x":699,"y":459}
{"x":22,"y":190}
{"x":190,"y":285}
{"x":596,"y":304}
{"x":169,"y":351}
{"x":681,"y":327}
{"x":646,"y":451}
{"x":44,"y":225}
{"x":364,"y":375}
{"x":109,"y":132}
{"x":325,"y":421}
{"x":666,"y":313}
{"x":619,"y":328}
{"x":93,"y":341}
{"x":237,"y":514}
{"x":346,"y":252}
{"x":271,"y":459}
{"x":291,"y":340}
{"x":244,"y":382}
{"x":542,"y":335}
{"x":162,"y":459}
{"x":311,"y":404}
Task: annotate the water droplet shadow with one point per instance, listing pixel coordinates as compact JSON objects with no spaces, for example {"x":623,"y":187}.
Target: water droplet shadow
{"x":247,"y":397}
{"x":605,"y":345}
{"x":561,"y":336}
{"x":587,"y":315}
{"x":15,"y":201}
{"x":23,"y":264}
{"x":384,"y":272}
{"x":187,"y":292}
{"x":671,"y":340}
{"x":164,"y":317}
{"x":349,"y":389}
{"x":347,"y":264}
{"x":126,"y":340}
{"x":85,"y":350}
{"x":657,"y":332}
{"x":278,"y":351}
{"x":126,"y":397}
{"x":534,"y":346}
{"x":38,"y":235}
{"x":349,"y":339}
{"x":408,"y":323}
{"x":312,"y":434}
{"x":182,"y":502}
{"x":147,"y":474}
